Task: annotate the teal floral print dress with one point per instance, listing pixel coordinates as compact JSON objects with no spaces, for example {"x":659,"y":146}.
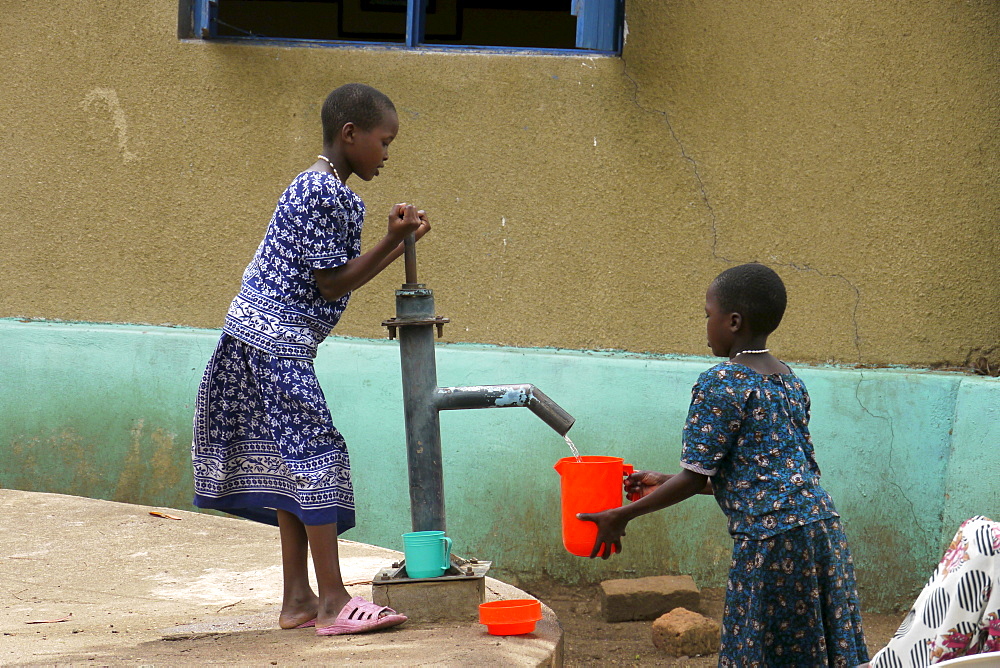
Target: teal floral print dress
{"x":791,"y":599}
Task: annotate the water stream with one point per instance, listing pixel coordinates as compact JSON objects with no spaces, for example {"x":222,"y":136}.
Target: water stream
{"x":572,"y":447}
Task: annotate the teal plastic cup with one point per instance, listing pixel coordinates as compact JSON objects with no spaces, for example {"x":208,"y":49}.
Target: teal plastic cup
{"x":428,"y":553}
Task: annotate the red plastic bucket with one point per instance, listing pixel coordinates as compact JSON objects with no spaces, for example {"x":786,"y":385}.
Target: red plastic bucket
{"x":590,"y":485}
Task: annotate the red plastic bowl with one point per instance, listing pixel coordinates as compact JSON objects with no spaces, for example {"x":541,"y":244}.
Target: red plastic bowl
{"x":510,"y":618}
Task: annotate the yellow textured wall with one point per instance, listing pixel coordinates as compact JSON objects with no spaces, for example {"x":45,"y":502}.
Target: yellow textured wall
{"x":577,"y":202}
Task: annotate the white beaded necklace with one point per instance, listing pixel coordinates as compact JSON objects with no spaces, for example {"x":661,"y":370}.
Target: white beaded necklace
{"x":323,"y":157}
{"x":754,"y":352}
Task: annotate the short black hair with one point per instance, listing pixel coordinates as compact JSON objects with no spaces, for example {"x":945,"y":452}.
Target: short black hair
{"x":353,"y":103}
{"x":754,"y":291}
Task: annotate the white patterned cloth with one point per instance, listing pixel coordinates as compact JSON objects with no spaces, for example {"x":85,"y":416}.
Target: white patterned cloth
{"x":279,"y":309}
{"x":958,"y":612}
{"x":264,"y":438}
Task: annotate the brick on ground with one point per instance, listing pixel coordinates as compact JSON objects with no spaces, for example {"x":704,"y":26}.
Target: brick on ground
{"x":647,"y":598}
{"x":681,"y":632}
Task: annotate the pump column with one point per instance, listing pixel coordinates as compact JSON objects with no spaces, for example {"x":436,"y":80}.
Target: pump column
{"x":415,"y":320}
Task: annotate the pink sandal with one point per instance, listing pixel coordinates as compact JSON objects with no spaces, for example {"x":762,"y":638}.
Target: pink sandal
{"x":360,"y":616}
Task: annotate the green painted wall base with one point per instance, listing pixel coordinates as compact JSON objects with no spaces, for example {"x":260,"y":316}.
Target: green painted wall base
{"x":105,"y":411}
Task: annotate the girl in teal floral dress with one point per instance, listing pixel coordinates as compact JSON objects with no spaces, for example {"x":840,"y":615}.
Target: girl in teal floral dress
{"x":791,"y":599}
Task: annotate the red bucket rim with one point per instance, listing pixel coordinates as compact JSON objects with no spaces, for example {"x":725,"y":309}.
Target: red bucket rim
{"x":510,"y":602}
{"x":510,"y":611}
{"x":592,"y":459}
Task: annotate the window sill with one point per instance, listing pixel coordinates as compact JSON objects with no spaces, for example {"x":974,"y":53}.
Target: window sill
{"x":391,"y":46}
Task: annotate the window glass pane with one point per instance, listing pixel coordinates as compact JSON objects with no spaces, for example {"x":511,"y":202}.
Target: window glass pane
{"x":519,"y":23}
{"x":347,"y":20}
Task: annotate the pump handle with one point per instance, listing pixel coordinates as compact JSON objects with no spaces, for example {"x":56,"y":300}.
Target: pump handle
{"x":410,"y":258}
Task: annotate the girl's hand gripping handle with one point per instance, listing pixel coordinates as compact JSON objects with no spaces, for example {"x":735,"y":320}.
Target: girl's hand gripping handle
{"x":406,"y":219}
{"x":641,"y":483}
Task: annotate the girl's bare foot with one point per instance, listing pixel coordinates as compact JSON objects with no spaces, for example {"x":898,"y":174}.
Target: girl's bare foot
{"x":328,"y":610}
{"x":295,"y":613}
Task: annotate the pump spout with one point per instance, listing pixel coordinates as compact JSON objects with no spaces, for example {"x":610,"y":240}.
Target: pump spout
{"x":551,"y":413}
{"x":503,"y":396}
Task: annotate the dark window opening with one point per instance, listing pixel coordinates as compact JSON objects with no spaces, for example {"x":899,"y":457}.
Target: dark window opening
{"x":530,"y":24}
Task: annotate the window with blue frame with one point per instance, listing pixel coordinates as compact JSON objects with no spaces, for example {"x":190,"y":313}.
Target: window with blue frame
{"x":587,"y":25}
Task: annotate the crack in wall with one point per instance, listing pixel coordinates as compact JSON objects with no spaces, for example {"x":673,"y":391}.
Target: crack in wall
{"x":888,"y":462}
{"x":684,"y":155}
{"x":700,"y":183}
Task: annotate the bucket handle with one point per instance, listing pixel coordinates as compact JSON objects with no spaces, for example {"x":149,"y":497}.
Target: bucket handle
{"x":627,"y":470}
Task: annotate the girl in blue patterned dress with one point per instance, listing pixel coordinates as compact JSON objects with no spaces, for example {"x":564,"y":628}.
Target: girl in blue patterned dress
{"x":264,"y":444}
{"x":791,"y":599}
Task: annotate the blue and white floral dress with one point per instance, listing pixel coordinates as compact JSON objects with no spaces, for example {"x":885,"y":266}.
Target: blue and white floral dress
{"x":791,"y":599}
{"x":264,"y":438}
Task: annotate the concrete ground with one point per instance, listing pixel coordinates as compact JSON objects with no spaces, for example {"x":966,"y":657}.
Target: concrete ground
{"x":88,"y":582}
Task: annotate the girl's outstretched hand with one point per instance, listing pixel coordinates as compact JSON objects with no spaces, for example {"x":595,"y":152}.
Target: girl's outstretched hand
{"x":641,"y":483}
{"x":610,"y":531}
